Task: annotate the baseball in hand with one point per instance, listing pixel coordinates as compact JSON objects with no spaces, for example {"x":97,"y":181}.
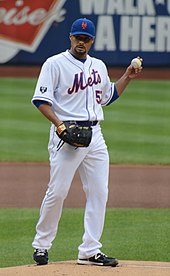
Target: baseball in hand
{"x":136,"y":62}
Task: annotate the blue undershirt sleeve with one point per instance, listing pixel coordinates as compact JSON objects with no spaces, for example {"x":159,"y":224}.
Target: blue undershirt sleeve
{"x":115,"y":96}
{"x":37,"y":103}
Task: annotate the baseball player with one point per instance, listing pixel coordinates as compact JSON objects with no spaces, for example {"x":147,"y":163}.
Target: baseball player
{"x":71,"y":89}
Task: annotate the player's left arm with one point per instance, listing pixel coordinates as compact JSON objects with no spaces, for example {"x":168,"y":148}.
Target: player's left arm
{"x":114,"y":90}
{"x":129,"y":74}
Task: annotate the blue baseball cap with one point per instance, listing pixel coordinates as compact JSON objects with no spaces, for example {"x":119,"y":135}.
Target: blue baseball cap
{"x":83,"y":26}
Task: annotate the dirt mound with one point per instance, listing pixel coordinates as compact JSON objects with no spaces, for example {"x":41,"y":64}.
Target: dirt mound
{"x":70,"y":268}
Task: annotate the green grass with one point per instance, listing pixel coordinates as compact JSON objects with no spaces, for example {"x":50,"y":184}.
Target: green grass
{"x":129,"y":234}
{"x":24,"y":131}
{"x":136,"y":127}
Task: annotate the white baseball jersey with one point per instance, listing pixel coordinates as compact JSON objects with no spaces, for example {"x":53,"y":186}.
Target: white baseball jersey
{"x":76,"y":90}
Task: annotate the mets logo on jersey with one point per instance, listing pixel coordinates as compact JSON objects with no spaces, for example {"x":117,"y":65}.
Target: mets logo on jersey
{"x":24,"y":23}
{"x":79,"y":82}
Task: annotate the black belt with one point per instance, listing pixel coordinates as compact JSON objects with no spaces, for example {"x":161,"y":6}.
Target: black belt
{"x":87,"y":123}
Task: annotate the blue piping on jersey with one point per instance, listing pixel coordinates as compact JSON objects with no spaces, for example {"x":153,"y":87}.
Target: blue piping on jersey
{"x":93,"y":95}
{"x":86,"y":95}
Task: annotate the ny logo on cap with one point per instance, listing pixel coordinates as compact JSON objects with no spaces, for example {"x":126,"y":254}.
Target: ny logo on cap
{"x":84,"y":25}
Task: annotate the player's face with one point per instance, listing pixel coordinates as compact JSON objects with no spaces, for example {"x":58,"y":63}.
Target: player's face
{"x":80,"y":45}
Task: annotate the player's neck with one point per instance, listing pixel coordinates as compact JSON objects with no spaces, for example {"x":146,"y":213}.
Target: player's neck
{"x":79,"y":57}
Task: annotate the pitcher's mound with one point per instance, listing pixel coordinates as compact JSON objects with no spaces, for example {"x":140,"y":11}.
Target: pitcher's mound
{"x":70,"y":268}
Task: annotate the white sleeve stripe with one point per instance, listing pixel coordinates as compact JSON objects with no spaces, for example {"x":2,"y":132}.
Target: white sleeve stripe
{"x":111,"y":95}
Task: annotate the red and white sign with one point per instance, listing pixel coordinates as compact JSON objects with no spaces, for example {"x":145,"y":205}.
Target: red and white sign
{"x":24,"y":23}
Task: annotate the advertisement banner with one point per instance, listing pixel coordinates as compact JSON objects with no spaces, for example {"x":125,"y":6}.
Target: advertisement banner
{"x":31,"y":31}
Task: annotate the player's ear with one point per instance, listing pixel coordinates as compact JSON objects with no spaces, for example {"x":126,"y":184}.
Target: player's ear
{"x":70,"y":36}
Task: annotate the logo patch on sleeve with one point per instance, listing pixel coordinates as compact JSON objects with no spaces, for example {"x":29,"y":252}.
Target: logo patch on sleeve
{"x":43,"y":89}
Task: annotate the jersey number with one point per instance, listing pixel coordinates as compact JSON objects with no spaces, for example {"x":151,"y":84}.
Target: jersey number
{"x":98,"y":96}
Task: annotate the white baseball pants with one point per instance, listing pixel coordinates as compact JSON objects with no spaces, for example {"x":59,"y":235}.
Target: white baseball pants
{"x":93,"y":165}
